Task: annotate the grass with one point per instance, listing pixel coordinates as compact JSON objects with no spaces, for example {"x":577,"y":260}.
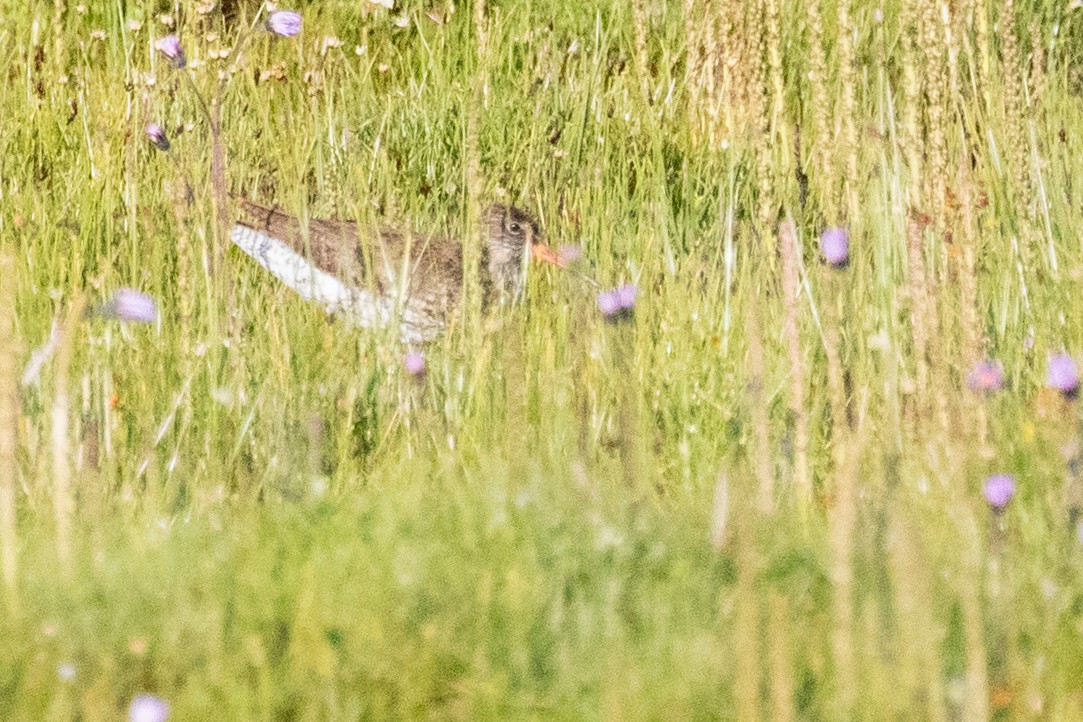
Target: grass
{"x":761,"y":497}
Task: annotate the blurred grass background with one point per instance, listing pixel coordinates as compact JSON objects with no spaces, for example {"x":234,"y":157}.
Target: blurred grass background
{"x":760,"y":498}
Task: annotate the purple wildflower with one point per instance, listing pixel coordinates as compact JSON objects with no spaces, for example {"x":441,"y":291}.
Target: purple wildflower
{"x":170,"y":47}
{"x":284,"y":22}
{"x":127,"y":304}
{"x":148,"y":708}
{"x":156,"y":135}
{"x":986,"y":377}
{"x":618,"y":303}
{"x":570,"y":252}
{"x":609,"y":302}
{"x":414,"y":363}
{"x":835,"y":245}
{"x":1063,"y":375}
{"x":999,"y":490}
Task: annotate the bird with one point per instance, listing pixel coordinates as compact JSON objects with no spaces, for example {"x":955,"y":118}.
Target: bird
{"x":377,"y":277}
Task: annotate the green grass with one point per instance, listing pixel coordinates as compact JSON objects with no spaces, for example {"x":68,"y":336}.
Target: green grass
{"x":274,"y":522}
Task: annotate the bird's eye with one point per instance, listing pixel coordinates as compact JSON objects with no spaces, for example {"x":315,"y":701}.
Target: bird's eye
{"x":515,"y":227}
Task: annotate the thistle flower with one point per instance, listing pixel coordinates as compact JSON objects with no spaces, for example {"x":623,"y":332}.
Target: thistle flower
{"x":414,"y":363}
{"x":617,"y":304}
{"x":148,"y":708}
{"x":285,"y":23}
{"x":1063,"y":375}
{"x":170,"y":47}
{"x":986,"y":377}
{"x":626,"y":294}
{"x":127,"y":304}
{"x":570,"y":252}
{"x":608,"y":302}
{"x":835,"y":245}
{"x":998,"y":491}
{"x":156,"y":135}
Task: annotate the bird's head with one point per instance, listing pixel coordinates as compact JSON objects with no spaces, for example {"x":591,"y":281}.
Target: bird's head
{"x":514,"y":236}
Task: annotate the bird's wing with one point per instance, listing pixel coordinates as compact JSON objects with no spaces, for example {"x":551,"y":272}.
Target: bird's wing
{"x":330,"y":245}
{"x":325,"y":261}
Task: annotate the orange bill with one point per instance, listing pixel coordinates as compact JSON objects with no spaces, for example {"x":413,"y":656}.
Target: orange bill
{"x":542,"y":252}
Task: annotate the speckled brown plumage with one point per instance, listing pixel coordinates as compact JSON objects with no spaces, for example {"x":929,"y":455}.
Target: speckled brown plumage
{"x":423,"y":274}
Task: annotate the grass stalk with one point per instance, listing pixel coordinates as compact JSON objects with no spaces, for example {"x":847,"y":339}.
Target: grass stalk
{"x":836,"y":383}
{"x":980,"y":10}
{"x":773,"y":40}
{"x":847,"y":110}
{"x":747,"y":644}
{"x":781,"y":660}
{"x":936,"y":99}
{"x":976,"y":705}
{"x":1016,"y":113}
{"x":912,"y":71}
{"x":918,"y":635}
{"x":63,"y":500}
{"x":639,"y":26}
{"x":787,"y":233}
{"x":823,"y":138}
{"x":842,"y":520}
{"x":919,"y":303}
{"x":9,"y":425}
{"x":757,"y":401}
{"x":472,"y":238}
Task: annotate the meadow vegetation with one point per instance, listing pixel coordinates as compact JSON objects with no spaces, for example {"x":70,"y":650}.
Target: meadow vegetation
{"x":781,"y":487}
